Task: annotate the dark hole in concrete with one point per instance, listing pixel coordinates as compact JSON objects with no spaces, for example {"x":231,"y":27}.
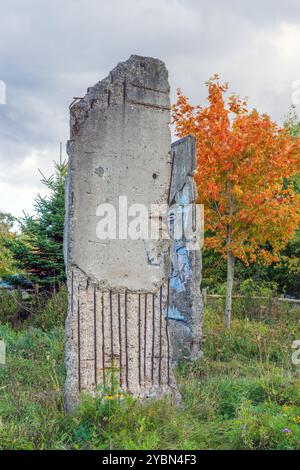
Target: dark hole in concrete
{"x":155,"y":176}
{"x":99,"y":171}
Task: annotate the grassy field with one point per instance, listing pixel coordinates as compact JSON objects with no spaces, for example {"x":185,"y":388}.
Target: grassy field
{"x":244,"y":394}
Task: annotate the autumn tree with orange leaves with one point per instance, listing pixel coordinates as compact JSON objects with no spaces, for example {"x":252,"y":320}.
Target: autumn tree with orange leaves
{"x":244,"y":162}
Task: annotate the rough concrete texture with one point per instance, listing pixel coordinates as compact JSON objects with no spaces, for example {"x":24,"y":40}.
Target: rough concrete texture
{"x":118,"y":289}
{"x":185,"y":311}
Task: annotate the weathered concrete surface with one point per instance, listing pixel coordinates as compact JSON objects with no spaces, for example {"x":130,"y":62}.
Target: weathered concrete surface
{"x":185,"y":312}
{"x":118,"y":289}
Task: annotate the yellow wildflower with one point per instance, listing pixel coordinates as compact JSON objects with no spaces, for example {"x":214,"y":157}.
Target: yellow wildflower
{"x":108,"y":397}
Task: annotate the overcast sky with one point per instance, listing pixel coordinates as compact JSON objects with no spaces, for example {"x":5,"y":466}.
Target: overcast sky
{"x":52,"y":50}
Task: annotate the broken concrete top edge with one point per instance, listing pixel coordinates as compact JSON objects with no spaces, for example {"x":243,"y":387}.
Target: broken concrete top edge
{"x":183,"y":140}
{"x":128,"y":70}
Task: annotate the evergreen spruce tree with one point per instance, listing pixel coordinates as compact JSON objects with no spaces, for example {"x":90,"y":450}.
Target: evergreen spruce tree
{"x":6,"y":233}
{"x":38,"y":251}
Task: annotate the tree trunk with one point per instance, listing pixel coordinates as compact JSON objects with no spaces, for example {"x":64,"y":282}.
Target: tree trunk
{"x":230,"y":277}
{"x":230,"y":263}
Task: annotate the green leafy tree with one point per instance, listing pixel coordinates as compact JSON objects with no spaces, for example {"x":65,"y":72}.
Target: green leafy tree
{"x":38,"y":251}
{"x":6,"y":233}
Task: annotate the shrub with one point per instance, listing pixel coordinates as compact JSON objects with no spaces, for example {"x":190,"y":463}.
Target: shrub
{"x":52,"y":313}
{"x":12,"y":307}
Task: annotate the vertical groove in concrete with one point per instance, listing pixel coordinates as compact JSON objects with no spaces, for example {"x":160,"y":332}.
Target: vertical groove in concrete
{"x":167,"y":333}
{"x":111,"y":327}
{"x":153,"y":338}
{"x":160,"y":335}
{"x":139,"y":333}
{"x":103,"y":338}
{"x":126,"y":338}
{"x":145,"y":338}
{"x":120,"y":338}
{"x":95,"y":336}
{"x":79,"y":344}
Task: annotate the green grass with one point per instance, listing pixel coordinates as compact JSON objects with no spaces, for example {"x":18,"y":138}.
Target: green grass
{"x":242,"y":395}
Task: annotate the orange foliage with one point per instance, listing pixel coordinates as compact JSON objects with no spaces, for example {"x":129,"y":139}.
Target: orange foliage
{"x":244,"y":160}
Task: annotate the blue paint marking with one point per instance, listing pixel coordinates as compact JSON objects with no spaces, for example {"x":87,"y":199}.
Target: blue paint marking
{"x":184,"y":200}
{"x":173,"y":313}
{"x":177,"y":284}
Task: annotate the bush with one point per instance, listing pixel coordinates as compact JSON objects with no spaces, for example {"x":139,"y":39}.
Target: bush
{"x":53,"y":311}
{"x":250,"y":288}
{"x":12,"y":307}
{"x":21,"y":310}
{"x":268,"y":342}
{"x":254,"y":300}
